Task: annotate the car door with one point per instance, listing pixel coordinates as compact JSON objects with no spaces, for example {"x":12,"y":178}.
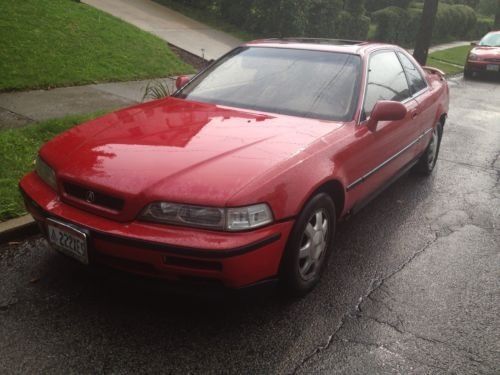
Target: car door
{"x":426,"y":105}
{"x":379,"y":155}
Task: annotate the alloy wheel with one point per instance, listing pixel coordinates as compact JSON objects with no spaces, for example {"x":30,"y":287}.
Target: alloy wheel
{"x":433,"y":148}
{"x":313,"y":244}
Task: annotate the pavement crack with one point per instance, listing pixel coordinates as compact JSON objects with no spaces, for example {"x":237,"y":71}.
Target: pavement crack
{"x":356,"y":312}
{"x":18,"y":114}
{"x":362,"y":343}
{"x":320,"y":348}
{"x":495,"y":158}
{"x":488,"y":169}
{"x":383,"y":322}
{"x":377,"y":283}
{"x":7,"y":305}
{"x":474,"y":357}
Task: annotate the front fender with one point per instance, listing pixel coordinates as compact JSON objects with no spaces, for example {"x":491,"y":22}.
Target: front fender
{"x":287,"y":188}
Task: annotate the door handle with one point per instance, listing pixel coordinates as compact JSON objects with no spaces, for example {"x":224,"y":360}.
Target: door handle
{"x":414,"y":115}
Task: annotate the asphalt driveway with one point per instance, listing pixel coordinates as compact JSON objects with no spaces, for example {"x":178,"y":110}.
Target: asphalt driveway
{"x":413,"y":288}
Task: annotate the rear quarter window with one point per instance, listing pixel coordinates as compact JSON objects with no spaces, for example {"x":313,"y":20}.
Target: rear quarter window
{"x":415,"y":79}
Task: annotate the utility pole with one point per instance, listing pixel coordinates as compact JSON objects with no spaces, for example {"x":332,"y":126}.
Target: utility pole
{"x":424,"y":35}
{"x":497,"y":16}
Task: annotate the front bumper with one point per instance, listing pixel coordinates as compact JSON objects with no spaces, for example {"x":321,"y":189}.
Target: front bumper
{"x":175,"y":253}
{"x":482,"y":66}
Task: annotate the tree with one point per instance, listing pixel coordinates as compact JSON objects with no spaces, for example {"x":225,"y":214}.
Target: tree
{"x":355,"y":7}
{"x":322,"y":15}
{"x":497,"y":16}
{"x":424,"y":35}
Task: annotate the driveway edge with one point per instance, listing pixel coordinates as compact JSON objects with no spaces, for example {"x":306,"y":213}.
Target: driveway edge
{"x":17,"y":228}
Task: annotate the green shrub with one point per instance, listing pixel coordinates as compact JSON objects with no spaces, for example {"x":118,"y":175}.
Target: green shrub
{"x":482,"y":27}
{"x":374,"y":5}
{"x":295,"y":18}
{"x":350,"y":26}
{"x":455,"y":21}
{"x":322,"y":15}
{"x":390,"y":23}
{"x":400,"y":26}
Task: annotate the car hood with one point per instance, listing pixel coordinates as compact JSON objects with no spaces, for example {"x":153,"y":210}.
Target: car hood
{"x":178,"y":150}
{"x":487,"y":52}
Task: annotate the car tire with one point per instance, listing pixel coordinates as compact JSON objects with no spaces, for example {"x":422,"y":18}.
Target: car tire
{"x":468,"y":74}
{"x":428,"y":160}
{"x":309,"y":246}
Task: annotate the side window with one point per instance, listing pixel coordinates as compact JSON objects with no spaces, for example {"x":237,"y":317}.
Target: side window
{"x":386,"y":81}
{"x":415,"y":79}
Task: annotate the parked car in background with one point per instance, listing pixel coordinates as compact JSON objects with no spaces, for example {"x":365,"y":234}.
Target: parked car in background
{"x":241,"y":176}
{"x":485,"y":56}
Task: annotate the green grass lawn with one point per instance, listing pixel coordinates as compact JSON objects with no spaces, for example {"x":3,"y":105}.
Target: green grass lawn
{"x":49,"y":43}
{"x":451,"y":60}
{"x":18,"y":150}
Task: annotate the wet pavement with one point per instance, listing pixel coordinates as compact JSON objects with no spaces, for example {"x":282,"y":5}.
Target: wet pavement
{"x":414,"y":287}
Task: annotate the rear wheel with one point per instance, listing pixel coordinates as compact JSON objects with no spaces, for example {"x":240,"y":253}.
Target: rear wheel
{"x":309,"y":246}
{"x":428,"y":160}
{"x":468,"y":74}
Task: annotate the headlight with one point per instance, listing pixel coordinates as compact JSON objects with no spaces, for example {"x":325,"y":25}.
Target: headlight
{"x":230,"y":219}
{"x":46,"y":173}
{"x":248,"y":217}
{"x":473,"y":57}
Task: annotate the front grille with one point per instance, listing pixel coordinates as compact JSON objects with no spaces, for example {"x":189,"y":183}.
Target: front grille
{"x":93,"y":197}
{"x":493,"y":60}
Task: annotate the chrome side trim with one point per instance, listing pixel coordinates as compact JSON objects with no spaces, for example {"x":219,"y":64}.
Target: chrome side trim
{"x":379,"y":167}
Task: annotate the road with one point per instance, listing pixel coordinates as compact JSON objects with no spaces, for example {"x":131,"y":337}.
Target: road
{"x":413,"y":288}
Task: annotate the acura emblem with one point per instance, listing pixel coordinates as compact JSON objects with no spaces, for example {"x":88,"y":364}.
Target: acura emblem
{"x":90,"y":196}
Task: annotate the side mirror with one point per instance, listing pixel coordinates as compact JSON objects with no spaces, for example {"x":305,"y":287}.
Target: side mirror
{"x":181,"y":81}
{"x":386,"y":110}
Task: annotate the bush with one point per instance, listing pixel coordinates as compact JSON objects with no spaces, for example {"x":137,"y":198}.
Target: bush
{"x":454,"y":21}
{"x":295,"y":18}
{"x":234,"y":11}
{"x":400,"y":26}
{"x":482,"y":28}
{"x":350,"y":26}
{"x":374,"y":5}
{"x":391,"y":23}
{"x":321,"y":16}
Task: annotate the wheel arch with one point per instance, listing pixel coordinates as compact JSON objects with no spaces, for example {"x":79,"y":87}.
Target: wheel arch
{"x":335,"y":189}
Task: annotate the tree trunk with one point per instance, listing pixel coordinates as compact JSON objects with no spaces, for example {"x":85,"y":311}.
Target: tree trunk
{"x":497,"y":16}
{"x":424,"y":35}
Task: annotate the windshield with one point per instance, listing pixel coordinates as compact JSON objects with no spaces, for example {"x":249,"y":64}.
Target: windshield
{"x":491,"y":40}
{"x":295,"y":82}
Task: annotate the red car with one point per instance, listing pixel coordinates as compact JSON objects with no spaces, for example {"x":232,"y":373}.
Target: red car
{"x":485,"y":56}
{"x":241,"y":176}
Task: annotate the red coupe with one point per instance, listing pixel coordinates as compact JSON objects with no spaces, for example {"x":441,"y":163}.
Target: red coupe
{"x":241,"y":176}
{"x":485,"y":56}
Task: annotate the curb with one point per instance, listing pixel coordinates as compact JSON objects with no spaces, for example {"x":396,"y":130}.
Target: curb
{"x":17,"y":228}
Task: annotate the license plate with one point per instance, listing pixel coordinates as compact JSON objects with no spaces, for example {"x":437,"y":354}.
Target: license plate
{"x":68,"y":240}
{"x":493,"y":68}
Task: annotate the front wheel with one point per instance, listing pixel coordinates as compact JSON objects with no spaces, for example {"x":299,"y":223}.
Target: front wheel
{"x":428,"y":160}
{"x":309,"y":246}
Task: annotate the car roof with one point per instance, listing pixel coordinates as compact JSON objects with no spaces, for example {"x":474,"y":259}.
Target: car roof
{"x":320,"y":44}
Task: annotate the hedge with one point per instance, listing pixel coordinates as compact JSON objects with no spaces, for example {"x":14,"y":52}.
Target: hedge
{"x":457,"y":21}
{"x":291,"y":18}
